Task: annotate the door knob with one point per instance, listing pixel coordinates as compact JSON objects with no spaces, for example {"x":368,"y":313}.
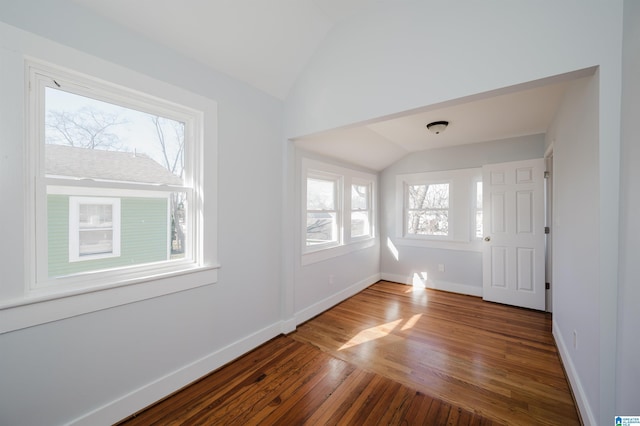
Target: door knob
{"x":487,"y":238}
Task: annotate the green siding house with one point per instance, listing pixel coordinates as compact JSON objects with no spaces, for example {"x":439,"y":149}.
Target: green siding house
{"x":101,"y":229}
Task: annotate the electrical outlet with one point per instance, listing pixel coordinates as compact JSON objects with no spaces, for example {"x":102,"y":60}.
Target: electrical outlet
{"x":440,"y":267}
{"x":575,"y":339}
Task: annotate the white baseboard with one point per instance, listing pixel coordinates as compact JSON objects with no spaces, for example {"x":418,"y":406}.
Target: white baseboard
{"x":288,"y":326}
{"x":435,"y":284}
{"x":148,"y":394}
{"x":321,"y":306}
{"x":586,"y":413}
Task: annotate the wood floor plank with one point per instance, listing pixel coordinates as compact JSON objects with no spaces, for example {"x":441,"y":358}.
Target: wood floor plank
{"x":391,"y":355}
{"x":491,"y":359}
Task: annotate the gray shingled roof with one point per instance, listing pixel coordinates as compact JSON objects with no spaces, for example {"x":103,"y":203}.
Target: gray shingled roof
{"x":108,"y":165}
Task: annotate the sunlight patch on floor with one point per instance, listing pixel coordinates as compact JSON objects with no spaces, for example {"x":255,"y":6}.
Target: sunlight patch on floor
{"x":380,"y":331}
{"x":372,"y":333}
{"x":411,"y":323}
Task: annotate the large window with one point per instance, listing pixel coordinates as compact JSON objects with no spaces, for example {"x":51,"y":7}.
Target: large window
{"x":322,"y":211}
{"x":337,"y":209}
{"x":439,"y":209}
{"x":118,"y":182}
{"x":427,"y":211}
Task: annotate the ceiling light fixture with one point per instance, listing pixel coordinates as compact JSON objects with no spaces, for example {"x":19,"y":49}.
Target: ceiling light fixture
{"x":437,"y":126}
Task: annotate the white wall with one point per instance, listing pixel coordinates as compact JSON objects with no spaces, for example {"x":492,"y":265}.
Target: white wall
{"x":118,"y":360}
{"x":463,"y":267}
{"x":576,"y":242}
{"x":410,"y":54}
{"x":398,"y":57}
{"x":628,"y":368}
{"x":320,"y":285}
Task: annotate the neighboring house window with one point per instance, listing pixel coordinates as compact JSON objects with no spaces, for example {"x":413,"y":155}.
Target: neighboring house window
{"x":94,"y":228}
{"x":360,"y":210}
{"x":336,"y":210}
{"x":427,"y":209}
{"x":322,"y":211}
{"x":118,"y":183}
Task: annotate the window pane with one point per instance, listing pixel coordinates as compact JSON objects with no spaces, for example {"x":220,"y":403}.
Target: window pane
{"x":133,"y":230}
{"x":360,"y":224}
{"x":428,"y":222}
{"x":95,"y":242}
{"x":321,"y":194}
{"x":479,"y":229}
{"x":433,"y":196}
{"x":95,"y":216}
{"x":321,"y":228}
{"x":87,"y":138}
{"x":179,"y":224}
{"x":359,"y":197}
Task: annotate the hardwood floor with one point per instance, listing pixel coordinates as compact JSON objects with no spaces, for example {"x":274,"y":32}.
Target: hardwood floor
{"x":389,"y":355}
{"x":498,"y":361}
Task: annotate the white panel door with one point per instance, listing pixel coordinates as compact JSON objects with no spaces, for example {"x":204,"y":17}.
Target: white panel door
{"x":513,"y":252}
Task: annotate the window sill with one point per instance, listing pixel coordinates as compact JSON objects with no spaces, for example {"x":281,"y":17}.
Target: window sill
{"x":40,"y":307}
{"x":470,"y":245}
{"x":336,"y":251}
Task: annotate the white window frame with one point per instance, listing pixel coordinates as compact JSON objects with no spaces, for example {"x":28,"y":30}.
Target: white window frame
{"x":344,"y":178}
{"x":475,"y":209}
{"x":41,"y":77}
{"x":428,"y":183}
{"x":336,"y":180}
{"x":369,"y":210}
{"x":75,"y":230}
{"x":461,"y":210}
{"x":33,"y":301}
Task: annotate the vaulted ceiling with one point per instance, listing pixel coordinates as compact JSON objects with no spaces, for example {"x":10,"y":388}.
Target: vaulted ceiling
{"x":267,"y":44}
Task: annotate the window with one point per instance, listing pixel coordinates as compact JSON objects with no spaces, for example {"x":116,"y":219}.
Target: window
{"x":360,"y":210}
{"x":94,"y":228}
{"x":440,"y":209}
{"x":118,"y":183}
{"x":478,"y":210}
{"x":322,"y":211}
{"x":428,"y":209}
{"x":337,"y":210}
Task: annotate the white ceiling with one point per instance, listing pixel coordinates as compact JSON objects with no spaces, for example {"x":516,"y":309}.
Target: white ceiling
{"x":380,"y":144}
{"x":267,"y":44}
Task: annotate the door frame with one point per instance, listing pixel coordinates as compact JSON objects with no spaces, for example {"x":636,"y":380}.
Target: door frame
{"x":548,"y":198}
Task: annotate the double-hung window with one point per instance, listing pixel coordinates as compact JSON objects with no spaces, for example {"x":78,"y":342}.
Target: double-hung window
{"x":427,"y":209}
{"x":337,"y":210}
{"x":361,"y":210}
{"x":118,"y":183}
{"x":441,"y":209}
{"x":94,"y":228}
{"x":479,"y":232}
{"x":323,"y":210}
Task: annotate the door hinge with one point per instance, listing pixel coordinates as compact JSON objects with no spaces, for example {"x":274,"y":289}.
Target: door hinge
{"x":546,"y":230}
{"x":547,"y":285}
{"x":546,"y":175}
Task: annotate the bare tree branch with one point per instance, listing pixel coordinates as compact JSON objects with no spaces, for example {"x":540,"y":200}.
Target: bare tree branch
{"x":84,"y":128}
